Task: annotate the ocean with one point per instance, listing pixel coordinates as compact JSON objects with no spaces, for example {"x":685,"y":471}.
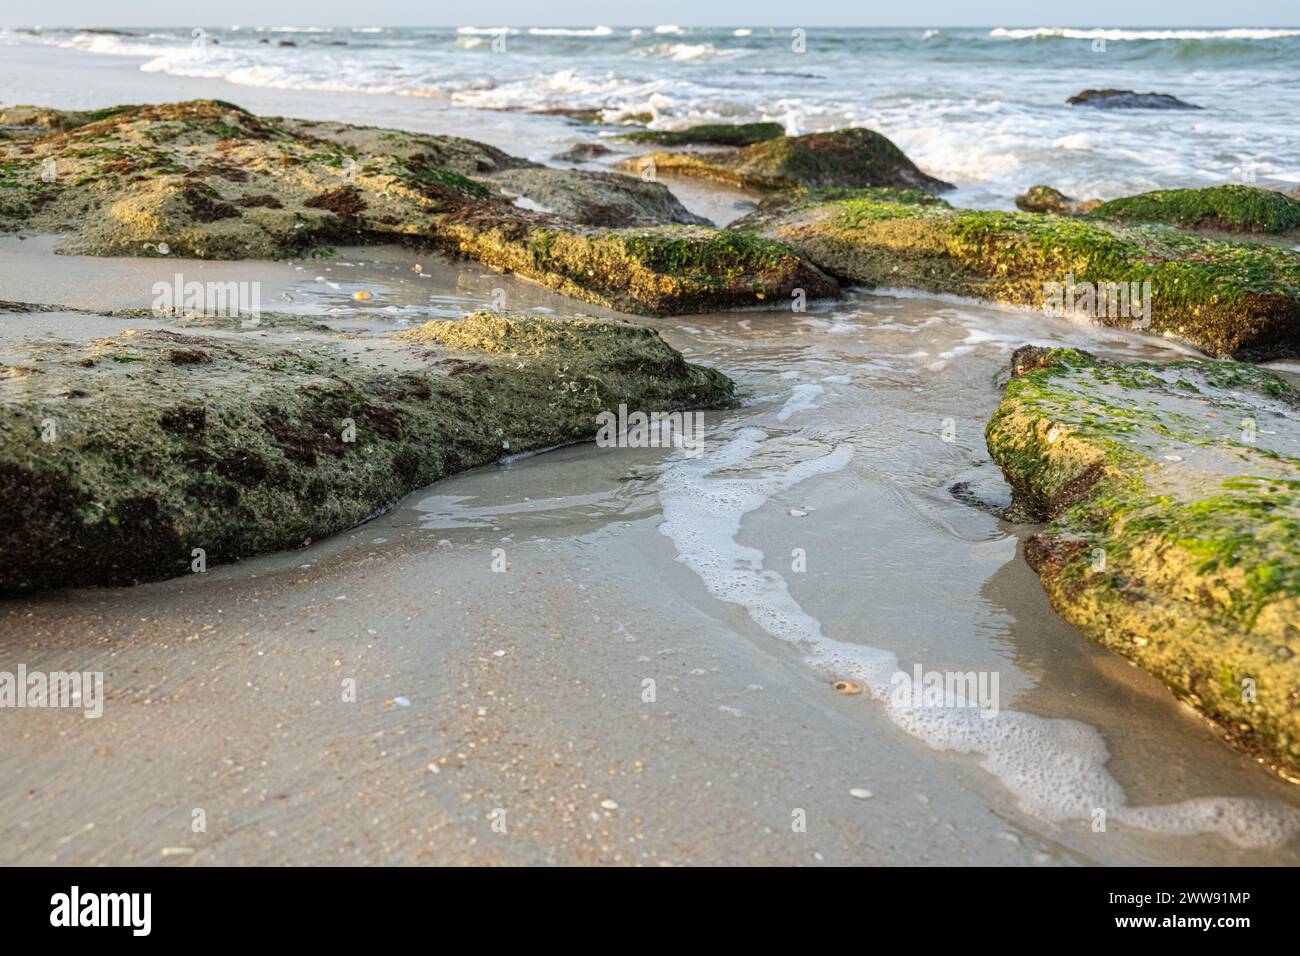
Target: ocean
{"x":982,"y":108}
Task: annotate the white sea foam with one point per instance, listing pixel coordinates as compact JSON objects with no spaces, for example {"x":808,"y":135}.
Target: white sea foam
{"x":691,"y":51}
{"x":802,"y":398}
{"x":564,"y":88}
{"x":1055,"y":768}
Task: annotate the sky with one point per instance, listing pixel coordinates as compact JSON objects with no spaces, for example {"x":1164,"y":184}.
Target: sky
{"x":811,"y":13}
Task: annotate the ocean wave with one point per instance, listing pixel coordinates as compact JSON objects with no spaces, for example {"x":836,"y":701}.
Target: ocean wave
{"x":669,"y":28}
{"x":1116,"y":35}
{"x":565,"y":89}
{"x":566,"y":32}
{"x":108,"y":44}
{"x":265,"y":76}
{"x":689,"y":51}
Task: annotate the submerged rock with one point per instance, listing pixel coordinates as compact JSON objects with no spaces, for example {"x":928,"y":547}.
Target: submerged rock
{"x":587,"y":117}
{"x":1174,"y":496}
{"x":581,"y":152}
{"x":1229,"y":299}
{"x":1046,"y":199}
{"x":709,"y":134}
{"x":1128,"y":100}
{"x":848,"y":158}
{"x":598,"y":198}
{"x":1230,"y":208}
{"x":121,"y":456}
{"x":207,"y":180}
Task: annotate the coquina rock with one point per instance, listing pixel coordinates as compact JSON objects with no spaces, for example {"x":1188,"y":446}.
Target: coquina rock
{"x":1227,"y":298}
{"x":848,"y":158}
{"x":1173,"y":492}
{"x":208,"y":180}
{"x":131,"y":456}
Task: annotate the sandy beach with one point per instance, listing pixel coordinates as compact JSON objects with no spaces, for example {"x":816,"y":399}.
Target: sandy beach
{"x":585,"y":656}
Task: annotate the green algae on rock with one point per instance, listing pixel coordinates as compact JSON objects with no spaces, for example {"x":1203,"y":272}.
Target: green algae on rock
{"x":668,"y":270}
{"x":709,"y":134}
{"x":134,"y":456}
{"x":1173,"y":493}
{"x":1231,"y":208}
{"x":848,"y":159}
{"x":1229,"y":299}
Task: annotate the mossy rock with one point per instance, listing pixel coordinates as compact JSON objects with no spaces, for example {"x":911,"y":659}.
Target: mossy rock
{"x":206,"y":179}
{"x":44,"y":119}
{"x":848,"y":159}
{"x":1047,"y":199}
{"x":119,"y":457}
{"x":669,"y":270}
{"x":1173,"y":493}
{"x":709,"y":134}
{"x":1230,"y":299}
{"x":1232,"y":208}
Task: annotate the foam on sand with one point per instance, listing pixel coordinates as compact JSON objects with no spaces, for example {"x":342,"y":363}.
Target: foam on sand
{"x":1055,"y":768}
